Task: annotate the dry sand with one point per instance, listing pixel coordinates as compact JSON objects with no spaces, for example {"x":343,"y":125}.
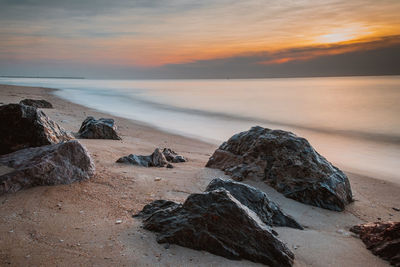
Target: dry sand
{"x":75,"y":225}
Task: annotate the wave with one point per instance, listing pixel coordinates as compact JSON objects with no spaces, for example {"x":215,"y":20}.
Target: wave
{"x":134,"y":95}
{"x":379,"y":137}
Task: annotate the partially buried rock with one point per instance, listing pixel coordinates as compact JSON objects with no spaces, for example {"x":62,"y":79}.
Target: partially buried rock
{"x":98,"y":129}
{"x":36,"y":103}
{"x":382,"y":238}
{"x":286,"y":162}
{"x":62,"y":163}
{"x":156,"y":159}
{"x":172,"y":156}
{"x":25,"y":126}
{"x":217,"y":222}
{"x":257,"y":201}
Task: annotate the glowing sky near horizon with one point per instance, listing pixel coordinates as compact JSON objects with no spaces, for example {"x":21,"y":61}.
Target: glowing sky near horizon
{"x":153,"y":33}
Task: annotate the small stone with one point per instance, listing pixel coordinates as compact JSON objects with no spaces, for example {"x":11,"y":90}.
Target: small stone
{"x":396,"y":209}
{"x":343,"y":232}
{"x":118,"y":221}
{"x":166,"y":246}
{"x":157,"y":179}
{"x":98,"y":129}
{"x":170,"y":166}
{"x":157,"y":159}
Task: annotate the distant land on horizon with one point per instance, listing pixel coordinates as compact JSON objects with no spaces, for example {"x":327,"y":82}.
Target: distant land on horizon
{"x":40,"y":77}
{"x":227,"y":78}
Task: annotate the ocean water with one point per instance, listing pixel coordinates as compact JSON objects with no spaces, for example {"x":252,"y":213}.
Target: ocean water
{"x":353,"y":121}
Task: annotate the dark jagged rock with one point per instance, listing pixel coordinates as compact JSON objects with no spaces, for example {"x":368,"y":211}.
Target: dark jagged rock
{"x":257,"y":201}
{"x":36,"y":103}
{"x":62,"y":163}
{"x":155,"y":206}
{"x":217,"y":222}
{"x":172,"y":156}
{"x":382,"y":238}
{"x":98,"y":129}
{"x":157,"y":159}
{"x":288,"y":163}
{"x":25,"y":126}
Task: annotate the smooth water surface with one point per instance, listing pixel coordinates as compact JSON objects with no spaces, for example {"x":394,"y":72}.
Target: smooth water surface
{"x":353,"y":121}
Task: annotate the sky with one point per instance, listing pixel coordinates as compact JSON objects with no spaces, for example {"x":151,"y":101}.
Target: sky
{"x":199,"y":39}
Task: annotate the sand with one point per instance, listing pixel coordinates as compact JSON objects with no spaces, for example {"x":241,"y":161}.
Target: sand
{"x":78,"y":224}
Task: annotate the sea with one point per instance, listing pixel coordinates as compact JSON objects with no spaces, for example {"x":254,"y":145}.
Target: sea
{"x":353,"y":121}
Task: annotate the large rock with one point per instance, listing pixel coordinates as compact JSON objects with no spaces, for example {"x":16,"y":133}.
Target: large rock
{"x":24,"y":126}
{"x":217,"y":222}
{"x":257,"y":201}
{"x":62,"y":163}
{"x":98,"y":129}
{"x":36,"y":103}
{"x":286,"y":162}
{"x":382,"y":238}
{"x":156,"y":159}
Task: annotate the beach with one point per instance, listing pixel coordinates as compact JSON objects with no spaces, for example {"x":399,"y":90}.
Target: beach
{"x":76,"y":224}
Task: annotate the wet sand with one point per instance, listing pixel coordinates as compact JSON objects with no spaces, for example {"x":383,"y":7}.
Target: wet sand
{"x":75,"y":225}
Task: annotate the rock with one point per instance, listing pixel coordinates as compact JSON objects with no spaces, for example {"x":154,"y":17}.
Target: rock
{"x":170,"y":166}
{"x":217,"y":222}
{"x":98,"y":129}
{"x":382,"y":238}
{"x":62,"y":163}
{"x":36,"y":103}
{"x":157,"y":159}
{"x":172,"y":156}
{"x":25,"y":126}
{"x":286,"y":162}
{"x":257,"y":201}
{"x":155,"y":206}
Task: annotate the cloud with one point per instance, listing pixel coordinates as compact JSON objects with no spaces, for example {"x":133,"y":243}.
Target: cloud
{"x":376,"y":58}
{"x":137,"y":34}
{"x":380,"y":57}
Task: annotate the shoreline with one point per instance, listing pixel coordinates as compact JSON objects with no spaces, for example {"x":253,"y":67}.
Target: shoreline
{"x":50,"y":92}
{"x":370,"y":154}
{"x":32,"y":224}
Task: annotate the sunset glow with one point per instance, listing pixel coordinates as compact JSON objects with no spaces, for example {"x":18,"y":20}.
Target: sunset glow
{"x":147,"y":35}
